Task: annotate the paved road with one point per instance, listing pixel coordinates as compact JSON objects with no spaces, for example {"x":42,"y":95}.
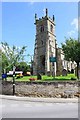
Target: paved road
{"x":25,"y":109}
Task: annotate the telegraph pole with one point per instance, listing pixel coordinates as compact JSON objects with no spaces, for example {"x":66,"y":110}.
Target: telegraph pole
{"x":14,"y":80}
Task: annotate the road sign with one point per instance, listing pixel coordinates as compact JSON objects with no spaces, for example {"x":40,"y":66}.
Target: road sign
{"x":4,"y":75}
{"x":52,"y":59}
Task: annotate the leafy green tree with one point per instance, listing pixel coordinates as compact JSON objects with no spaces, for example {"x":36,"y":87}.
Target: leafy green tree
{"x":11,"y":55}
{"x":71,"y":49}
{"x":4,"y":62}
{"x":23,"y":67}
{"x":31,"y":63}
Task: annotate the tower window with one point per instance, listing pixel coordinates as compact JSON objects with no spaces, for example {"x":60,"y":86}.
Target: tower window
{"x":42,"y":42}
{"x":51,"y":28}
{"x":42,"y":28}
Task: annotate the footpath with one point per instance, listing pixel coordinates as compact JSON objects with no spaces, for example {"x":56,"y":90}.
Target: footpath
{"x":40,"y":99}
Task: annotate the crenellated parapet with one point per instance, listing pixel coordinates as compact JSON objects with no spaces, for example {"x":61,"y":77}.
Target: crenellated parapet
{"x":46,"y":17}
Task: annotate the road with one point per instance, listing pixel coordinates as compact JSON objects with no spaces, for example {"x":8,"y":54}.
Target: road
{"x":25,"y":109}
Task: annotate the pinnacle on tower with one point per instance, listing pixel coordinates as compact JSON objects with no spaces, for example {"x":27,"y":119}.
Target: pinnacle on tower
{"x":46,"y":12}
{"x":35,"y":16}
{"x":53,"y":18}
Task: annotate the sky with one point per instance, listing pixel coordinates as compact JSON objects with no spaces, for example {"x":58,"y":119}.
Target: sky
{"x":18,"y":22}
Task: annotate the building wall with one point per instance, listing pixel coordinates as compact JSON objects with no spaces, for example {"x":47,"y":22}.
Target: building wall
{"x":63,"y":64}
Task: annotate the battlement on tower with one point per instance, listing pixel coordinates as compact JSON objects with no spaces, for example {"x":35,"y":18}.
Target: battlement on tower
{"x":46,"y":17}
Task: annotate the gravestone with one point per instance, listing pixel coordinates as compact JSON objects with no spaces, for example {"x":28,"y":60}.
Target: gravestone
{"x":64,"y":72}
{"x":79,"y":73}
{"x":39,"y":77}
{"x":48,"y":73}
{"x":76,"y":72}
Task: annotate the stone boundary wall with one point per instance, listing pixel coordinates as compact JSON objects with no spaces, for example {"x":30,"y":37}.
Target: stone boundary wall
{"x":55,"y":89}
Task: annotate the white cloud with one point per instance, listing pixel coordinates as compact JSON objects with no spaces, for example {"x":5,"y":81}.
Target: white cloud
{"x":54,"y":0}
{"x":70,"y":33}
{"x":79,"y":23}
{"x":32,"y":2}
{"x":75,"y":23}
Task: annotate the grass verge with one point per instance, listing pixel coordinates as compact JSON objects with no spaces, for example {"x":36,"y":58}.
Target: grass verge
{"x":46,"y":78}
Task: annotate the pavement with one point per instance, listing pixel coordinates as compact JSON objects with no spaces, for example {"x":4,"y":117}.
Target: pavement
{"x":29,"y":107}
{"x":37,"y":99}
{"x":26,"y":109}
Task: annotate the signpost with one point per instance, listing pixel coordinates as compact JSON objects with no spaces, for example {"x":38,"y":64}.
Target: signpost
{"x":52,"y":59}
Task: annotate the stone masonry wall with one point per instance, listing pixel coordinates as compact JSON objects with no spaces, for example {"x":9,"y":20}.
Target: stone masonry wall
{"x":42,"y":89}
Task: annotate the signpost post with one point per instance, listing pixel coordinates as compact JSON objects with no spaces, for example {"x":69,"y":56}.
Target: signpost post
{"x":53,"y":59}
{"x":14,"y":80}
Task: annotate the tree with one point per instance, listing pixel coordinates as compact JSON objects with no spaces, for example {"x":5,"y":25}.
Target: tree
{"x":71,"y":49}
{"x":11,"y":55}
{"x":31,"y":63}
{"x":4,"y":62}
{"x":23,"y":67}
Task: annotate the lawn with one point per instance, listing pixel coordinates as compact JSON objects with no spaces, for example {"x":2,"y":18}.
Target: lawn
{"x":46,"y":78}
{"x":68,"y":77}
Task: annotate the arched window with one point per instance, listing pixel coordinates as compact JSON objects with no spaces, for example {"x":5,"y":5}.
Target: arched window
{"x":51,"y":28}
{"x":42,"y":28}
{"x":42,"y":42}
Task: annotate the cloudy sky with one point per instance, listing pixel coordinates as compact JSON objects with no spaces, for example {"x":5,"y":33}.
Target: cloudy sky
{"x":18,"y":21}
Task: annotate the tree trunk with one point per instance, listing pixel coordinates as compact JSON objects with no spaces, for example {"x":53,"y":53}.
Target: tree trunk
{"x":77,"y":70}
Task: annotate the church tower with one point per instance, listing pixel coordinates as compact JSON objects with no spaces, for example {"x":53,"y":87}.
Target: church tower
{"x":45,"y":45}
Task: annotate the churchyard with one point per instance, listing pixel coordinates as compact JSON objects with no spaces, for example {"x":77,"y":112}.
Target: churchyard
{"x":69,"y":77}
{"x":41,"y":86}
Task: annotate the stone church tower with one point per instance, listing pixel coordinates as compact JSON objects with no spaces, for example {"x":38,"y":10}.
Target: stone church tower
{"x":45,"y":45}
